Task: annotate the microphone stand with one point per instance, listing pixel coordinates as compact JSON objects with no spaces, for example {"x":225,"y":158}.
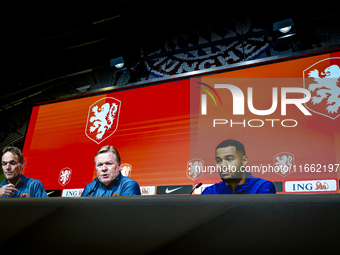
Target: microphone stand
{"x":197,"y":186}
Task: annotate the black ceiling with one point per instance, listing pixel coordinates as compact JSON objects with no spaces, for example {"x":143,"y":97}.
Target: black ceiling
{"x":46,"y":40}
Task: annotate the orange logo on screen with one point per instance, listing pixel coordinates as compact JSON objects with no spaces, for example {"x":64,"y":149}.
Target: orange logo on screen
{"x":195,"y":168}
{"x":24,"y":195}
{"x":64,"y":176}
{"x":283,"y":163}
{"x":322,"y":79}
{"x":126,"y":169}
{"x":115,"y":195}
{"x":102,"y":119}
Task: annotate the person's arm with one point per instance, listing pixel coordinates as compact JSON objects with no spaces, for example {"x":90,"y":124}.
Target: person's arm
{"x":39,"y":190}
{"x":208,"y":191}
{"x":130,"y":188}
{"x":85,"y":191}
{"x":267,"y":188}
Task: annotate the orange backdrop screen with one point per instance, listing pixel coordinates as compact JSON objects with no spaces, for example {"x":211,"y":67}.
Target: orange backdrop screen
{"x":286,"y":114}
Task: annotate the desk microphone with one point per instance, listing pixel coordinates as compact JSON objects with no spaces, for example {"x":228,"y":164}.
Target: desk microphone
{"x":94,"y":189}
{"x":197,"y":186}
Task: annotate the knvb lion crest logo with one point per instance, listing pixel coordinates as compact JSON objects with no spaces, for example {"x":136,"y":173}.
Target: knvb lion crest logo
{"x":24,"y":195}
{"x":195,"y":168}
{"x":65,"y":176}
{"x":283,"y":163}
{"x":322,"y":79}
{"x":320,"y":186}
{"x":102,"y":119}
{"x":145,"y":191}
{"x":126,"y":169}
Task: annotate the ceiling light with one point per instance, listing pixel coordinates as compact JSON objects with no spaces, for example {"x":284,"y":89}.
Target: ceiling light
{"x":284,"y":26}
{"x":83,"y":88}
{"x":285,"y":29}
{"x":119,"y":65}
{"x":117,"y":62}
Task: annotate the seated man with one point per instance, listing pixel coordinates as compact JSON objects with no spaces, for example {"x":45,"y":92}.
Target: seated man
{"x":231,"y":159}
{"x":109,"y":181}
{"x":16,"y":184}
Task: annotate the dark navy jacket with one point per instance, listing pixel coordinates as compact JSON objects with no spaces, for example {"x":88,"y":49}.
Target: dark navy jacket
{"x":252,"y":185}
{"x":27,"y":187}
{"x":121,"y":186}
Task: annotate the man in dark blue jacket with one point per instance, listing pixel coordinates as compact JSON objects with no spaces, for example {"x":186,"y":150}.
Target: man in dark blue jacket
{"x":16,"y":184}
{"x":110,"y":181}
{"x":231,"y":159}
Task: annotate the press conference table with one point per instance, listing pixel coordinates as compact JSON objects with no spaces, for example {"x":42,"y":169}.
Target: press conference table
{"x":214,"y":224}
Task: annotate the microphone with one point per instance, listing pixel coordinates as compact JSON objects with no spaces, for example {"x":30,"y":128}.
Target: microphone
{"x":197,"y":186}
{"x":93,"y":190}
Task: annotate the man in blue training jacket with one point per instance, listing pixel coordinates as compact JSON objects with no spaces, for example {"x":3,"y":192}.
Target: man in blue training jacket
{"x":16,"y":184}
{"x":110,"y":181}
{"x":231,"y":159}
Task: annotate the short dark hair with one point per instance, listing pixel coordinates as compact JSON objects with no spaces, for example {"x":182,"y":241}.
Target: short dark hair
{"x":230,"y":142}
{"x":14,"y":151}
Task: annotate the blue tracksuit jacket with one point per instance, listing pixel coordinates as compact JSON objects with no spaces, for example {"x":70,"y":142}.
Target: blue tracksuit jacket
{"x":121,"y":186}
{"x":252,"y":185}
{"x":27,"y":187}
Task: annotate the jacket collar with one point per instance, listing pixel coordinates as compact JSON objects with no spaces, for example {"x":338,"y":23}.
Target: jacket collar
{"x":21,"y":182}
{"x":113,"y":183}
{"x":241,"y":187}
